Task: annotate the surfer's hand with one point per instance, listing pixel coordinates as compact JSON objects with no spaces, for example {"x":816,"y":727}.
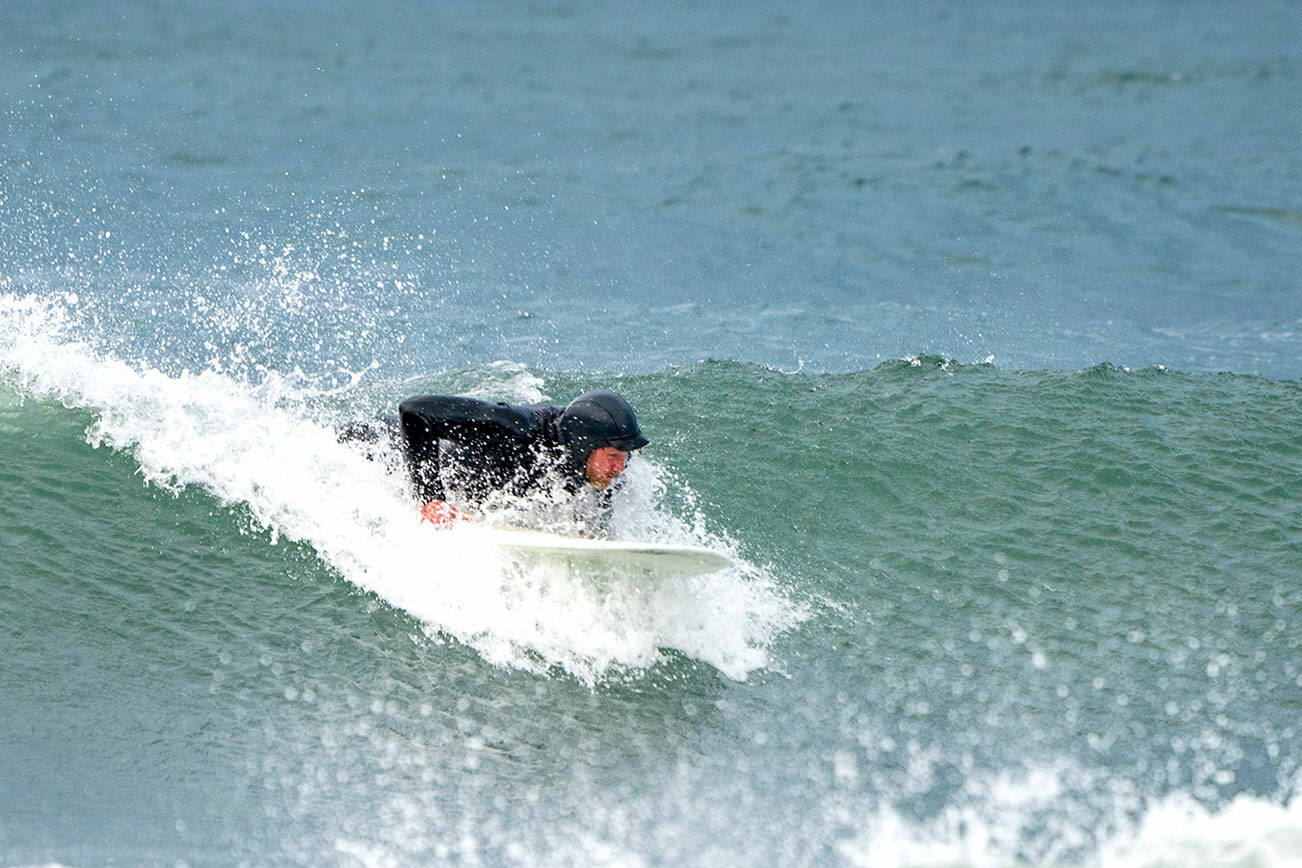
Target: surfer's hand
{"x":440,"y":513}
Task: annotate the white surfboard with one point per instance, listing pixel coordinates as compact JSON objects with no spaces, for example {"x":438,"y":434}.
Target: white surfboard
{"x":660,"y":560}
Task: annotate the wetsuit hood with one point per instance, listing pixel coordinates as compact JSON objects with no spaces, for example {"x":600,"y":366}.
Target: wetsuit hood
{"x":596,"y":419}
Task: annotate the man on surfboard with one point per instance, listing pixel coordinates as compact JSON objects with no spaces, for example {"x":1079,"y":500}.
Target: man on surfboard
{"x":478,"y":454}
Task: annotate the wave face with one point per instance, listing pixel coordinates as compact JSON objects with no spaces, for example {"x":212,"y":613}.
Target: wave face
{"x":266,"y":454}
{"x":978,"y":615}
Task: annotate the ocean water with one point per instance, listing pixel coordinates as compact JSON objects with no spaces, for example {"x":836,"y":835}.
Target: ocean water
{"x":970,"y":332}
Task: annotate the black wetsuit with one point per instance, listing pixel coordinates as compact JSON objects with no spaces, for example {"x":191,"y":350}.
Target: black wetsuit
{"x":480,"y":449}
{"x":532,"y":456}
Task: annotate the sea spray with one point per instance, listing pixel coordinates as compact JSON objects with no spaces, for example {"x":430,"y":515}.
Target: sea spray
{"x":252,"y":446}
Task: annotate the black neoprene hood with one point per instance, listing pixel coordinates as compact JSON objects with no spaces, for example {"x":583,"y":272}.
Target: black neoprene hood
{"x":596,"y":419}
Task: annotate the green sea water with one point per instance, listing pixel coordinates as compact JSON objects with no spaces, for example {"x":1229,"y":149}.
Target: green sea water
{"x":992,"y":615}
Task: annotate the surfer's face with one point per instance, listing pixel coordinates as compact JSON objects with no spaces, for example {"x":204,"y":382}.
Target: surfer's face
{"x":604,"y":465}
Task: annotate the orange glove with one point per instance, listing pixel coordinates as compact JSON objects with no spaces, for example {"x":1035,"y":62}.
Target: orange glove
{"x":441,"y":514}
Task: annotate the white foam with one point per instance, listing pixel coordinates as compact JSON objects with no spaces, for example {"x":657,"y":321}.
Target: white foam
{"x":1179,"y":831}
{"x":990,"y":828}
{"x":510,"y":379}
{"x":252,"y":447}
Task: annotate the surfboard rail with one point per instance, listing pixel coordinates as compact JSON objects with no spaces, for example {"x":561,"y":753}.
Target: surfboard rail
{"x":652,"y":558}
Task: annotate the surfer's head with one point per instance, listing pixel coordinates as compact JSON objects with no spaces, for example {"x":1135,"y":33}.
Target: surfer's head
{"x":598,"y":430}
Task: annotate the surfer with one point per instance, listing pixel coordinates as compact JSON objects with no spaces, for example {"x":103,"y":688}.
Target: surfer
{"x":463,"y":453}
